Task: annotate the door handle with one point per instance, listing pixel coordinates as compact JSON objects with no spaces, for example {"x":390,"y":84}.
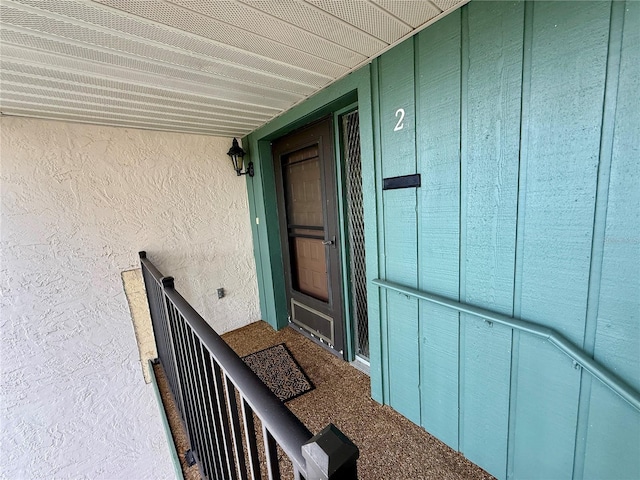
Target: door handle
{"x":329,"y":242}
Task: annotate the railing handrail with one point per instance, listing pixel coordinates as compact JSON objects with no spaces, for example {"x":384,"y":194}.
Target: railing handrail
{"x":288,"y":431}
{"x":579,"y":356}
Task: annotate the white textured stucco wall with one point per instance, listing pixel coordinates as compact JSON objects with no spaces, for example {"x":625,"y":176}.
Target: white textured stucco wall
{"x":78,"y":203}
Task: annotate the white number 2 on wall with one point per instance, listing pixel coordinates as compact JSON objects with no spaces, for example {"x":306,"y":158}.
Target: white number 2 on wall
{"x":400,"y":124}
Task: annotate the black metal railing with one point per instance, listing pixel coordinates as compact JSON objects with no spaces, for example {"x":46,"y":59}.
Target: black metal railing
{"x":218,"y":396}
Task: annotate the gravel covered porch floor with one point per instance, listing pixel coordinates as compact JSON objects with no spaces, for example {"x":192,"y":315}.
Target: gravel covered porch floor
{"x":391,"y":447}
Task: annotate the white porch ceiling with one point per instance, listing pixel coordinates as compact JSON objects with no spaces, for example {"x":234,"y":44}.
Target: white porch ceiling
{"x":217,"y":67}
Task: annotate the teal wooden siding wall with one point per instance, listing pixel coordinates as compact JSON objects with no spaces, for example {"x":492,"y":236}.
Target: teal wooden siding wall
{"x":525,"y":113}
{"x":523,"y":119}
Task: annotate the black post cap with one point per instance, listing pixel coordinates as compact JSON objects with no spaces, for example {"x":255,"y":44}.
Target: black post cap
{"x":330,"y":455}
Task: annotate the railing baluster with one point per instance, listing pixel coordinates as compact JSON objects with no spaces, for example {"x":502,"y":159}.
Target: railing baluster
{"x":212,"y":434}
{"x":162,"y":321}
{"x":271,"y":452}
{"x":156,"y":319}
{"x":236,"y":434}
{"x":196,"y":440}
{"x":250,"y":436}
{"x":198,"y":413}
{"x":208,"y":438}
{"x":157,"y":309}
{"x":172,"y":366}
{"x":224,"y":420}
{"x":168,"y":354}
{"x":209,"y":409}
{"x":220,"y":450}
{"x":181,"y":389}
{"x":177,"y":387}
{"x":184,"y":377}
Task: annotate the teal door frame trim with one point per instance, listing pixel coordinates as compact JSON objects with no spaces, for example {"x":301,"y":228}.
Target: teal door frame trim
{"x":580,"y":358}
{"x":354,"y":88}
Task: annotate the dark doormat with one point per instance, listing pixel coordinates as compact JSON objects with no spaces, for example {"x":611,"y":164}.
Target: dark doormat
{"x":279,"y":371}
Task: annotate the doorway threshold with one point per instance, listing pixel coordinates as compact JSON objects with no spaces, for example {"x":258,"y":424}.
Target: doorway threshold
{"x":361,"y":364}
{"x":316,"y":340}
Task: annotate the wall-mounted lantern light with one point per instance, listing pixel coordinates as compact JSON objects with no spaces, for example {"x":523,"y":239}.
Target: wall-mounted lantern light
{"x":236,"y":153}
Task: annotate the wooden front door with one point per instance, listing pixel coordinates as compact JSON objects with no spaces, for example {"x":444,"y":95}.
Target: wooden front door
{"x":306,"y":188}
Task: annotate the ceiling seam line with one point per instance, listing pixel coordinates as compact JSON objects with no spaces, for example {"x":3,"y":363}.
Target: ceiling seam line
{"x":11,"y":83}
{"x":159,"y":25}
{"x":263,"y":12}
{"x":115,"y":79}
{"x":306,"y":2}
{"x":432,"y":3}
{"x":391,"y":14}
{"x":111,"y":116}
{"x":147,"y":85}
{"x":181,"y":7}
{"x":90,"y":26}
{"x":93,"y":102}
{"x":124,"y":54}
{"x":174,"y":79}
{"x":111,"y":112}
{"x":340,"y":20}
{"x":108,"y":123}
{"x":72,"y":84}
